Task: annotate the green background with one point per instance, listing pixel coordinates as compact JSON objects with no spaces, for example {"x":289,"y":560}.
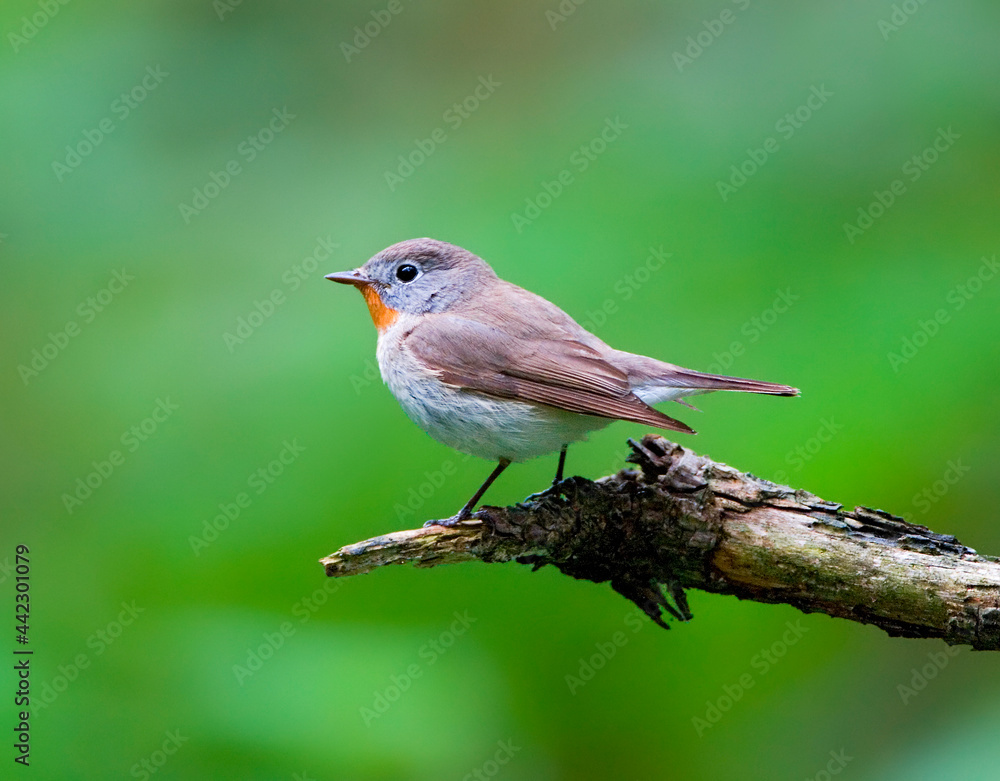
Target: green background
{"x":305,"y":374}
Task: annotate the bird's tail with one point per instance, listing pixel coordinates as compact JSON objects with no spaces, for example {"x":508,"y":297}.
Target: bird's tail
{"x":688,"y":378}
{"x":654,"y":381}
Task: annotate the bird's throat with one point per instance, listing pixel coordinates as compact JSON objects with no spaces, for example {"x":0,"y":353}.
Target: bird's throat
{"x":383,"y":316}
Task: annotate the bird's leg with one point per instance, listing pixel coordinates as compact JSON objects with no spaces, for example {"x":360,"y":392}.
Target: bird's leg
{"x":562,"y":463}
{"x":466,"y":512}
{"x":553,"y":490}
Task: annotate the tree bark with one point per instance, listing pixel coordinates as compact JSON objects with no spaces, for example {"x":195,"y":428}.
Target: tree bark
{"x":685,"y":521}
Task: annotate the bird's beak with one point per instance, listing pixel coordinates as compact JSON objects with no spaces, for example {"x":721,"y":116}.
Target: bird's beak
{"x":355,"y":278}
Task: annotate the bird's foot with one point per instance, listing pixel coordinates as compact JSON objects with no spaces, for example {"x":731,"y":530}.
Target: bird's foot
{"x":457,"y":519}
{"x":465,"y":514}
{"x":556,"y":489}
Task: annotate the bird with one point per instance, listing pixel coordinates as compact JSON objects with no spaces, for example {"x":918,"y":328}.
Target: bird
{"x":498,"y":372}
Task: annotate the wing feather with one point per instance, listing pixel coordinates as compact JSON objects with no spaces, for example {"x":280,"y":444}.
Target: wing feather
{"x":560,"y":373}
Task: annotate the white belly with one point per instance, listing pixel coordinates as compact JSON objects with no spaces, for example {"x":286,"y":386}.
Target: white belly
{"x":477,"y":424}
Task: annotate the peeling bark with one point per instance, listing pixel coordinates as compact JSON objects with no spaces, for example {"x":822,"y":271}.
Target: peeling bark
{"x":684,"y":521}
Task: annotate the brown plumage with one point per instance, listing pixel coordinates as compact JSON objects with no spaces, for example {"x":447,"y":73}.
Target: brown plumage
{"x":496,"y":371}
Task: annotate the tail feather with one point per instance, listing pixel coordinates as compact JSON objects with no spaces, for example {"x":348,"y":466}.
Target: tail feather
{"x":656,"y":381}
{"x":688,"y":378}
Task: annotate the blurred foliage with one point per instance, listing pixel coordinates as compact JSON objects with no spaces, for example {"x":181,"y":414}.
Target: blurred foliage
{"x":699,"y":88}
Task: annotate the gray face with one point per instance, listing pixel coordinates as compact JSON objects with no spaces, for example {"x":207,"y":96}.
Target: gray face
{"x":424,"y":275}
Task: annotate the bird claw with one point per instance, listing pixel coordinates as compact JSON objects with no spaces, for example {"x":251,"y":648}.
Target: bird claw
{"x":448,"y":523}
{"x":553,"y":490}
{"x":650,"y":597}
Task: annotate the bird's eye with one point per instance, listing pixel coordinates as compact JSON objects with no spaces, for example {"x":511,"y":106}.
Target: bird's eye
{"x":406,"y":273}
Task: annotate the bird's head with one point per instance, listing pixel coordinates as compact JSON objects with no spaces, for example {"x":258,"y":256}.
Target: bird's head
{"x":418,"y":276}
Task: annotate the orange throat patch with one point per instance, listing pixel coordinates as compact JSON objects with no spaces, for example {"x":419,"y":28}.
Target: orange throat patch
{"x":383,"y":316}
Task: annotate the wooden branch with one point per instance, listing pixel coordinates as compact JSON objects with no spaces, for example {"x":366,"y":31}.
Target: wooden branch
{"x":685,"y":521}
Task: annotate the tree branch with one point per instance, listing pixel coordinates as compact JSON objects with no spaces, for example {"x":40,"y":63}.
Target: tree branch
{"x":685,"y":521}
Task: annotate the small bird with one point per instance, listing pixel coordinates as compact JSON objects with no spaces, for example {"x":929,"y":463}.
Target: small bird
{"x":498,"y":372}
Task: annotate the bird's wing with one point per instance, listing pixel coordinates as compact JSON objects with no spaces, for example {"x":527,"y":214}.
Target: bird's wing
{"x":557,"y":372}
